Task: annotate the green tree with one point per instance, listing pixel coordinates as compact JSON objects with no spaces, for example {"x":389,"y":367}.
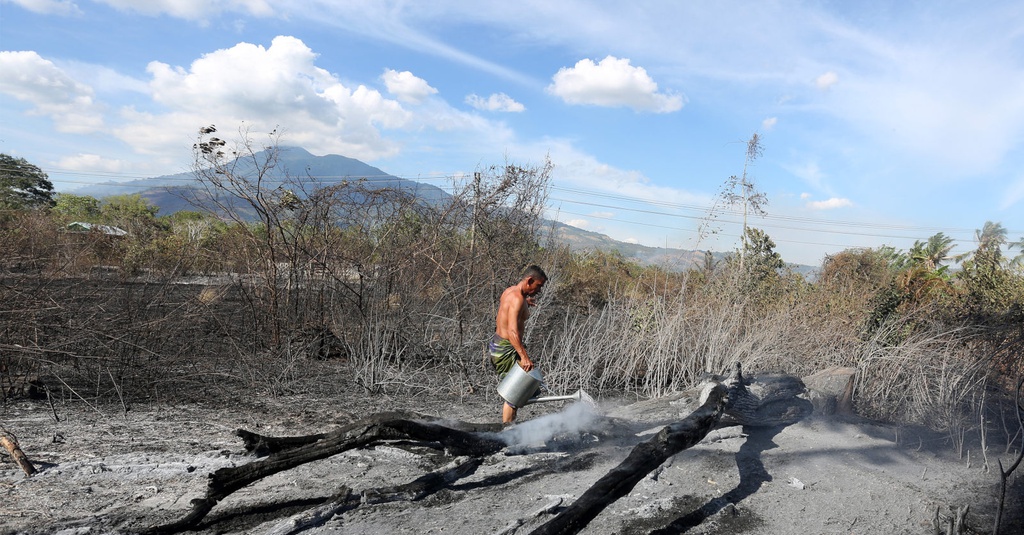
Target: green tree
{"x":991,"y":289}
{"x":132,"y":213}
{"x":896,"y":259}
{"x":990,"y":238}
{"x":23,"y":185}
{"x":760,"y":268}
{"x":932,"y":254}
{"x":124,"y":209}
{"x":760,"y":249}
{"x":1019,"y":259}
{"x":77,"y":207}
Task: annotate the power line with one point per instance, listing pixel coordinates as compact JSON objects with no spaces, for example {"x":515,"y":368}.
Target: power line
{"x":720,"y":234}
{"x":776,"y":226}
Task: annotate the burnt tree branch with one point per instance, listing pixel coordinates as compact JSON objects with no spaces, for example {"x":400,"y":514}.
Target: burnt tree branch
{"x":225,"y":481}
{"x":1004,"y":473}
{"x":649,"y":455}
{"x":770,"y":402}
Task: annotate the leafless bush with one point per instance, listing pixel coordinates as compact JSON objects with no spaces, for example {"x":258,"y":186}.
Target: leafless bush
{"x":932,"y":377}
{"x":655,"y":345}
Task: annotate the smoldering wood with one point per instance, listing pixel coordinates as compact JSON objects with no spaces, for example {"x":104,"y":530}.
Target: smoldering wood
{"x":263,"y":445}
{"x":646,"y":457}
{"x":345,"y":499}
{"x":769,"y":401}
{"x":766,"y":401}
{"x":362,"y":434}
{"x":317,"y":516}
{"x":424,"y":485}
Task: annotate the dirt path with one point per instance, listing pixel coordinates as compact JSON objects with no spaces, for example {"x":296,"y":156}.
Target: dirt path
{"x":106,"y":471}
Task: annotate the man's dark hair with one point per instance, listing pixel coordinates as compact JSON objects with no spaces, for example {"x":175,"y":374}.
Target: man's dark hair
{"x":535,"y":272}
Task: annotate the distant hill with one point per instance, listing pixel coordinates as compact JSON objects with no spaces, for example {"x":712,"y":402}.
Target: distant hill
{"x":169,"y":193}
{"x":673,"y":259}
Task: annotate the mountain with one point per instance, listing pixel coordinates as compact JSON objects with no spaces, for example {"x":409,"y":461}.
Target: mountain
{"x":673,"y":259}
{"x":170,"y":191}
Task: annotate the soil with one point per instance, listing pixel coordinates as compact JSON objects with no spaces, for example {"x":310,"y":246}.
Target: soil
{"x":106,"y":470}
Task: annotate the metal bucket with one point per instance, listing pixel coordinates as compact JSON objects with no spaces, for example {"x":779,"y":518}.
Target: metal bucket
{"x":519,"y":386}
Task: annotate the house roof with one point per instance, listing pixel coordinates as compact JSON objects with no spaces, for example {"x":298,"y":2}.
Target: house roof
{"x":80,"y":226}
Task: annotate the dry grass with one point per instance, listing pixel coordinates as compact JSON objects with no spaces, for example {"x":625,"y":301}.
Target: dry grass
{"x":935,"y":376}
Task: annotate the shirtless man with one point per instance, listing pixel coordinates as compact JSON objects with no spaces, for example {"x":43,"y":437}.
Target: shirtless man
{"x":506,"y":347}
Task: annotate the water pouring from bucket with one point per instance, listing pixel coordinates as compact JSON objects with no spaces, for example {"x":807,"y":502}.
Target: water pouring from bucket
{"x":520,"y":388}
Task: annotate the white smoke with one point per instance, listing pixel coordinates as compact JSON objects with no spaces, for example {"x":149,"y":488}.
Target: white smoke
{"x":572,"y":420}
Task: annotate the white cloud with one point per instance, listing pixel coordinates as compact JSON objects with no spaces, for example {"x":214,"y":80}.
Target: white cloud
{"x":103,"y":79}
{"x":1014,"y":194}
{"x":612,"y":83}
{"x":49,"y":7}
{"x":829,"y":204}
{"x":826,"y":81}
{"x":90,"y":162}
{"x":406,"y":86}
{"x":583,"y":170}
{"x":195,"y":10}
{"x":495,"y":102}
{"x":30,"y":78}
{"x":266,"y":88}
{"x":579,"y":223}
{"x":603,"y":215}
{"x":769,"y":123}
{"x":809,"y":172}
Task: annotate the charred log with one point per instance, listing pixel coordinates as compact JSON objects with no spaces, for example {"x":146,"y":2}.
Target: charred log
{"x":345,"y":499}
{"x":225,"y":481}
{"x":263,"y":445}
{"x":644,"y":458}
{"x":769,"y":401}
{"x":774,"y":404}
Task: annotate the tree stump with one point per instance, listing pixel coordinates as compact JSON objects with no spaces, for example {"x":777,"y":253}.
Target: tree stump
{"x":765,"y":401}
{"x":831,"y":390}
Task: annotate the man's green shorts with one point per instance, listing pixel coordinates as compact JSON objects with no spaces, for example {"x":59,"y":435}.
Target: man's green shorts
{"x":503,"y":355}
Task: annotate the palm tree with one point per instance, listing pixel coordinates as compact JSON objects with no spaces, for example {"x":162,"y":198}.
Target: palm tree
{"x":990,"y":238}
{"x":1019,"y":259}
{"x":933,"y":253}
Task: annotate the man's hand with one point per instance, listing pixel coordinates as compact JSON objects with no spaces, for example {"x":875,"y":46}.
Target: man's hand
{"x":526,"y":364}
{"x":531,"y":301}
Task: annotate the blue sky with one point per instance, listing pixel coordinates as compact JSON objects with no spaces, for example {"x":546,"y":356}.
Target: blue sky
{"x":882,"y":122}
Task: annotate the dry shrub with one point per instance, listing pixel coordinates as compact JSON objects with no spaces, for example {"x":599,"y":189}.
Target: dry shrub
{"x":936,"y":377}
{"x":656,"y":345}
